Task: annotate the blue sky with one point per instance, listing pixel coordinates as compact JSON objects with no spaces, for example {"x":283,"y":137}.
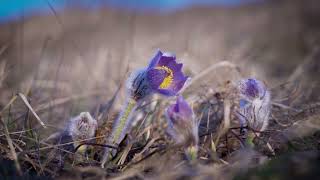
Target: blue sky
{"x":11,"y":9}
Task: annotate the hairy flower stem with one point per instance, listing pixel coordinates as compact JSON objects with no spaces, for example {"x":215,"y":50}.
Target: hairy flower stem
{"x":120,"y":127}
{"x":123,"y":122}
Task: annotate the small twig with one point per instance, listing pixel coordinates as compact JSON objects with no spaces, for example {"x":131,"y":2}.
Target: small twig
{"x":44,"y":148}
{"x":271,"y":149}
{"x":125,"y":154}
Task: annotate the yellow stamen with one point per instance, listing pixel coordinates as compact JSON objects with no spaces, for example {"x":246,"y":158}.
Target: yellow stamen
{"x":167,"y":81}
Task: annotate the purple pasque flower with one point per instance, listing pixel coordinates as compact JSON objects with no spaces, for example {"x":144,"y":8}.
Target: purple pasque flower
{"x":254,"y":103}
{"x":163,"y":75}
{"x":182,"y":124}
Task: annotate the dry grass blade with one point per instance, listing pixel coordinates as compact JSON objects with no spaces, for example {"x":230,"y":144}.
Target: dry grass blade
{"x":3,"y":49}
{"x":125,"y":154}
{"x":2,"y":71}
{"x":9,"y":104}
{"x":61,"y":145}
{"x":226,"y":121}
{"x":12,"y":149}
{"x":139,"y":157}
{"x":17,"y":132}
{"x":271,"y":149}
{"x":24,"y":99}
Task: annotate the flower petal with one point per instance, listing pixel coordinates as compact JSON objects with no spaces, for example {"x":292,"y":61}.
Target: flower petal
{"x":252,"y":88}
{"x":165,"y":60}
{"x":166,"y":92}
{"x":180,"y":110}
{"x":171,"y":110}
{"x":183,"y":107}
{"x":174,"y":66}
{"x":156,"y":77}
{"x":178,"y":81}
{"x":154,"y":61}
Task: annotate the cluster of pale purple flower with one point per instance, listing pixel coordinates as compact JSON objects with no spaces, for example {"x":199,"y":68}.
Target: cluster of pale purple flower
{"x":164,"y":76}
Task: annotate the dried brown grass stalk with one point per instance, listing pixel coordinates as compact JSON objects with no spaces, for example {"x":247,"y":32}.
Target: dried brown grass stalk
{"x":24,"y":99}
{"x":12,"y":149}
{"x":226,"y":120}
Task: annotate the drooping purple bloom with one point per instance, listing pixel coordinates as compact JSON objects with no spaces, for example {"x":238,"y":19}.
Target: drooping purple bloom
{"x":180,"y":111}
{"x":252,"y":88}
{"x":182,"y":125}
{"x":254,"y":103}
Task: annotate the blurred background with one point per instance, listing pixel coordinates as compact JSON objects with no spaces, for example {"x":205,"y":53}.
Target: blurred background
{"x":69,"y":55}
